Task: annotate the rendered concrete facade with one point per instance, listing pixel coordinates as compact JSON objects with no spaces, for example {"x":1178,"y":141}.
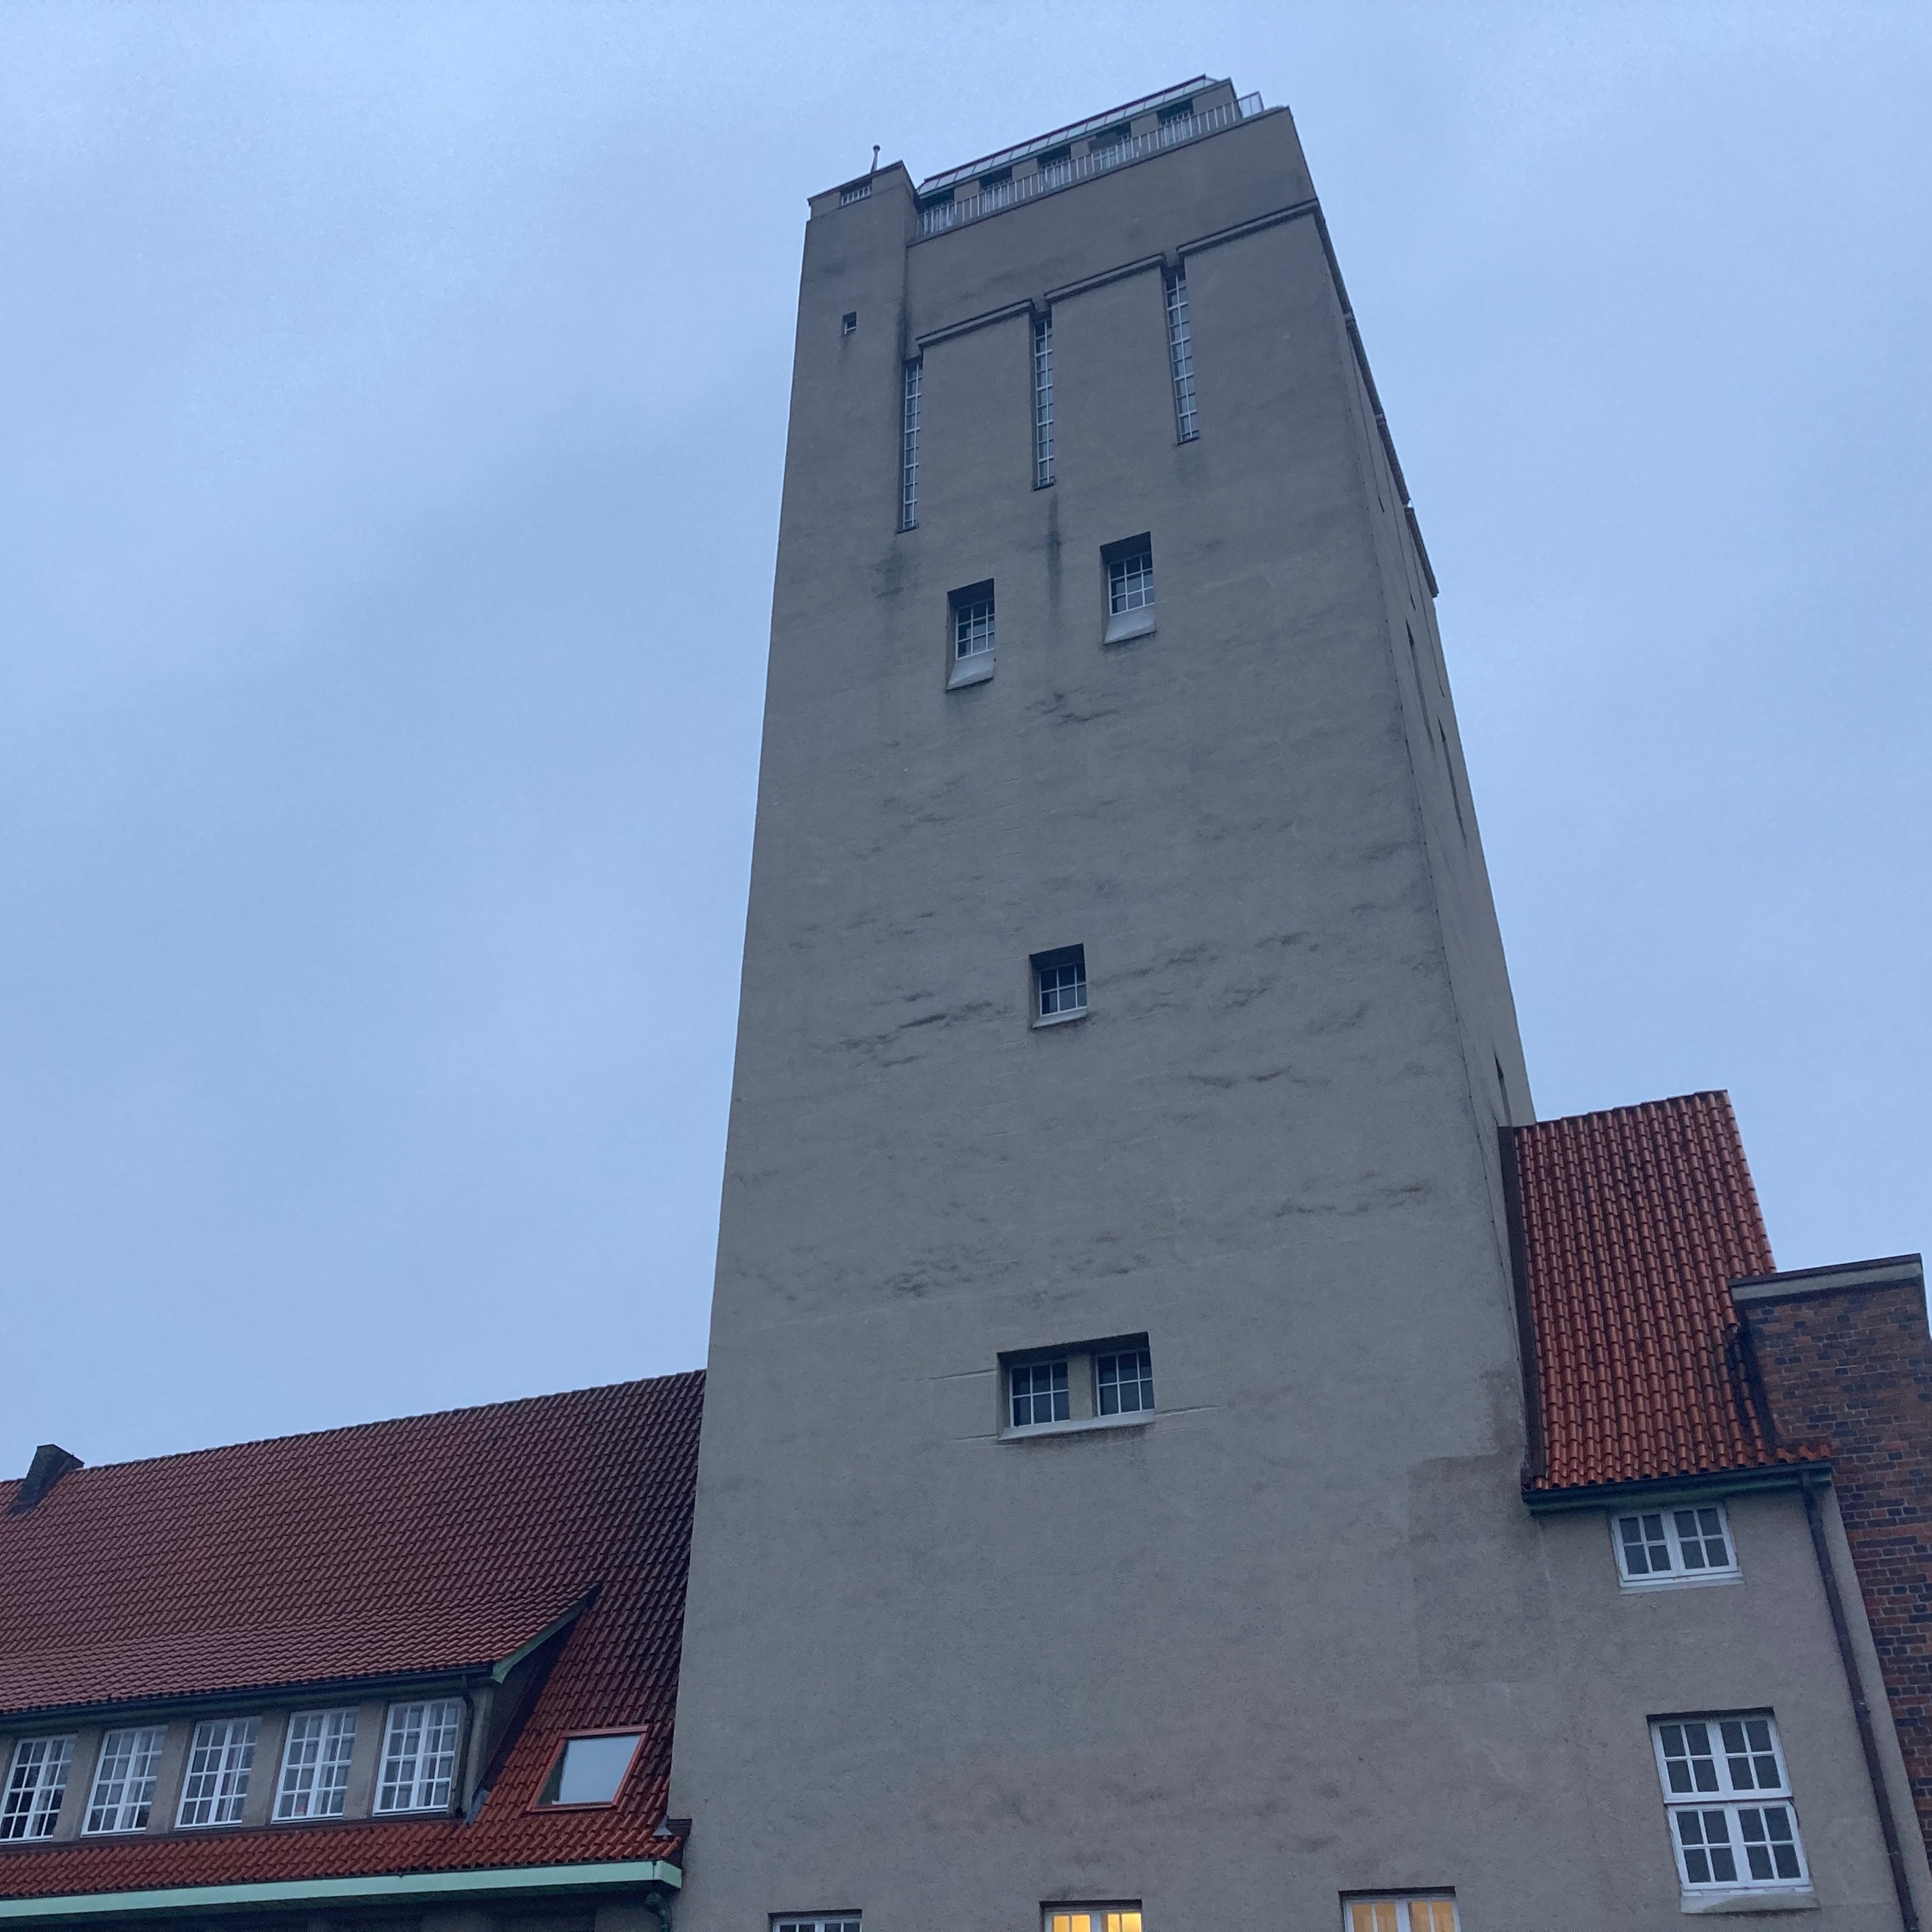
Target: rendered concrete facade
{"x":1296,"y":1637}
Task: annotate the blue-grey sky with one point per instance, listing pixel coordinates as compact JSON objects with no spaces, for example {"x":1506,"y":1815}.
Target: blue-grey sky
{"x":394,"y":411}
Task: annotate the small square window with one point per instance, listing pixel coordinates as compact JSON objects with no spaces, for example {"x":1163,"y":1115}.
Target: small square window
{"x":590,"y":1769}
{"x":1059,"y":985}
{"x":1705,"y":1764}
{"x":1123,"y":1381}
{"x":848,"y":322}
{"x":1400,"y":1912}
{"x":1038,"y":1393}
{"x":1687,"y":1544}
{"x":1130,"y":569}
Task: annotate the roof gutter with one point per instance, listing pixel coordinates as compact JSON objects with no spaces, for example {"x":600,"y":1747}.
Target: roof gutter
{"x":1676,"y":1489}
{"x":512,"y":1881}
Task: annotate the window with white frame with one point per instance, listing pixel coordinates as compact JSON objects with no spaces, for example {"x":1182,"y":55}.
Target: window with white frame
{"x":1090,"y":1918}
{"x":1123,"y":1381}
{"x":1727,"y":1794}
{"x":36,"y":1783}
{"x":909,"y":444}
{"x":972,"y":621}
{"x":221,"y":1760}
{"x":854,"y":191}
{"x":1180,"y":356}
{"x":1400,"y":1912}
{"x":1043,"y":399}
{"x":1038,"y":1392}
{"x":1083,"y":1385}
{"x":842,"y":1921}
{"x":124,"y":1780}
{"x":1059,"y":985}
{"x":1131,"y":576}
{"x":314,"y":1764}
{"x":418,"y":1756}
{"x":1687,"y":1546}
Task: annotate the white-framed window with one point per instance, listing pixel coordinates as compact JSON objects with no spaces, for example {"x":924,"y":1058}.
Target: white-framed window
{"x":1038,"y":1392}
{"x":1180,"y":356}
{"x":314,"y":1764}
{"x":972,"y":621}
{"x":837,"y":1921}
{"x":591,"y":1769}
{"x":221,"y":1760}
{"x":854,"y":191}
{"x":1727,"y":1794}
{"x":1400,"y":1912}
{"x":1123,"y":1381}
{"x":1130,"y":577}
{"x":1690,"y":1544}
{"x":36,"y":1783}
{"x":1043,"y":399}
{"x":418,"y":1755}
{"x":1090,"y":1918}
{"x":909,"y":443}
{"x":1059,"y":985}
{"x":122,"y":1799}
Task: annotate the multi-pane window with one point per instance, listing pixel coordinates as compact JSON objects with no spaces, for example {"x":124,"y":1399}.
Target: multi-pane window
{"x":1401,"y":1913}
{"x":124,"y":1780}
{"x":1674,"y":1546}
{"x":1038,"y":1393}
{"x":36,"y":1782}
{"x":1043,"y":400}
{"x":909,"y":444}
{"x":314,"y":1764}
{"x":1180,"y":356}
{"x":1131,"y":578}
{"x":1728,"y":1795}
{"x":856,"y":191}
{"x":844,"y":1922}
{"x":418,"y":1756}
{"x":221,"y":1759}
{"x":972,"y":621}
{"x":1124,"y":1382}
{"x":1090,"y":1918}
{"x":1059,"y":984}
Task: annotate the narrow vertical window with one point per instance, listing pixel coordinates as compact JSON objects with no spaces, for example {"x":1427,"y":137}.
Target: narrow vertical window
{"x":36,"y":1783}
{"x":314,"y":1764}
{"x":221,"y":1759}
{"x":1043,"y":400}
{"x":1180,"y":356}
{"x":418,"y":1756}
{"x":1059,"y":985}
{"x":909,"y":448}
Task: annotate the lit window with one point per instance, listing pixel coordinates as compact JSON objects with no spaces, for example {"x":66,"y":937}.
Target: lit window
{"x":36,"y":1782}
{"x":1043,"y":400}
{"x":1728,"y":1797}
{"x":1124,"y":1382}
{"x":314,"y":1764}
{"x":590,"y":1770}
{"x":972,"y":620}
{"x":1180,"y":356}
{"x":1059,"y":985}
{"x":1674,"y":1545}
{"x":1434,"y":1912}
{"x":1038,"y":1393}
{"x":909,"y":446}
{"x":1090,"y":1918}
{"x":124,"y":1780}
{"x":418,"y":1756}
{"x":221,"y":1759}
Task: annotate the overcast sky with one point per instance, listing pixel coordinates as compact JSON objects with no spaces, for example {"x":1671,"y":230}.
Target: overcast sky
{"x":394,"y":410}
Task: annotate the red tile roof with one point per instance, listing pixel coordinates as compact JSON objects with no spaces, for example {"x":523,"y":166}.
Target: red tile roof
{"x":1631,"y":1223}
{"x":435,"y":1543}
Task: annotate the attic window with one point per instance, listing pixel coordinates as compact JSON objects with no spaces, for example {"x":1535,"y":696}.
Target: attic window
{"x":590,"y":1769}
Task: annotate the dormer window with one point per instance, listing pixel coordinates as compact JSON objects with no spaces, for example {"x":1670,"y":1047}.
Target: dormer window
{"x":314,"y":1764}
{"x":124,"y":1780}
{"x":36,"y":1782}
{"x":591,"y":1769}
{"x":221,"y":1760}
{"x":418,"y":1756}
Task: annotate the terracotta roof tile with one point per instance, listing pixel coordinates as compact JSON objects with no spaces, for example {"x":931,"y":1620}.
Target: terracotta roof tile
{"x":437,"y":1542}
{"x":1631,"y":1223}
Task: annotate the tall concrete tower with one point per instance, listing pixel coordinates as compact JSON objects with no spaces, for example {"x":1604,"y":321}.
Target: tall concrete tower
{"x":1109,"y":1497}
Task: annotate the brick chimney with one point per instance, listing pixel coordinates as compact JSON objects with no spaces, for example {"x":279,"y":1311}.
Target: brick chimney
{"x":1843,"y":1355}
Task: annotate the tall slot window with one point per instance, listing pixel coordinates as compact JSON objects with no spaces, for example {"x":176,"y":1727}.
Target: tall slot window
{"x":221,"y":1760}
{"x":124,"y":1780}
{"x":1180,"y":356}
{"x":36,"y":1782}
{"x":909,"y":444}
{"x":314,"y":1764}
{"x":1043,"y":400}
{"x":1732,"y":1824}
{"x":418,"y":1756}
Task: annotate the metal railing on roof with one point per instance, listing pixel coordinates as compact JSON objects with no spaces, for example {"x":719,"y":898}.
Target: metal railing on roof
{"x":936,"y":217}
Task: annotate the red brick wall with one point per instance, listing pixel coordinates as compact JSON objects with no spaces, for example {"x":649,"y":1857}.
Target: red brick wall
{"x":1853,"y":1365}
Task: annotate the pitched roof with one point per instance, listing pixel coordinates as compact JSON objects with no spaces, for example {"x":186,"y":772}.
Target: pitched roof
{"x":436,"y":1543}
{"x":1631,"y":1225}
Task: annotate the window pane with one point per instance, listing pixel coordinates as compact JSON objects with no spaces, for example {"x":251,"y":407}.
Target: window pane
{"x":221,"y":1758}
{"x":123,"y":1781}
{"x":418,"y":1756}
{"x":593,"y":1768}
{"x":314,"y":1764}
{"x":1180,"y":356}
{"x":36,"y":1784}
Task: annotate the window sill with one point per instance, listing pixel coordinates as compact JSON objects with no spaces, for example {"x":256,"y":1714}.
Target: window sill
{"x":1085,"y":1425}
{"x":1638,"y":1586}
{"x":973,"y":670}
{"x":1058,"y":1020}
{"x":1751,"y":1901}
{"x":1129,"y":624}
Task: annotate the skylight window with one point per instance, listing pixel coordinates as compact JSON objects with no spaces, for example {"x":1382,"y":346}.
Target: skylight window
{"x":591,"y":1771}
